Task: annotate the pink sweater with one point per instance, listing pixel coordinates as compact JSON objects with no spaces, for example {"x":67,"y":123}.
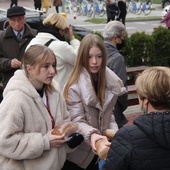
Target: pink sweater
{"x":167,"y":19}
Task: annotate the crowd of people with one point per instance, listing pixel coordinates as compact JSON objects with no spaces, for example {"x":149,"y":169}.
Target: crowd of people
{"x":48,"y":81}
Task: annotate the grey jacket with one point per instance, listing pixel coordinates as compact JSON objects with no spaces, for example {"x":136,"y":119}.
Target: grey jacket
{"x":85,"y":109}
{"x":116,"y":63}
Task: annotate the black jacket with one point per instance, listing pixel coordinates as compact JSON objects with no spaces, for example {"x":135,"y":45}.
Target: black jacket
{"x":142,"y":146}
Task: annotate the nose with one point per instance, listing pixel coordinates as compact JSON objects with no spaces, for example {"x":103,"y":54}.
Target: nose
{"x":52,"y":69}
{"x":94,"y":60}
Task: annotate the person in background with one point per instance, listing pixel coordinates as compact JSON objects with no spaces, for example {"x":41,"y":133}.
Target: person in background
{"x":166,"y":19}
{"x":37,"y":4}
{"x":55,"y":27}
{"x":111,"y":10}
{"x":46,"y":4}
{"x":14,"y":2}
{"x":56,"y":4}
{"x":114,"y":36}
{"x":26,"y":124}
{"x":145,"y":145}
{"x":122,"y":11}
{"x":13,"y":42}
{"x":90,"y":94}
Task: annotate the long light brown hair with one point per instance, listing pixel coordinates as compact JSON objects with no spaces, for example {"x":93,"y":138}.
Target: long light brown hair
{"x":82,"y":60}
{"x":36,"y":56}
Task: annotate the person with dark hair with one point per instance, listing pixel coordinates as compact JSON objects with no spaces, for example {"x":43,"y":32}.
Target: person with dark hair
{"x":111,"y":10}
{"x":145,"y":145}
{"x":37,"y":4}
{"x":14,"y":2}
{"x":122,"y":11}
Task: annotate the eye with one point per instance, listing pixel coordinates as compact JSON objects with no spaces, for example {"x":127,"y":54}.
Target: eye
{"x":100,"y":56}
{"x":54,"y":65}
{"x":45,"y":66}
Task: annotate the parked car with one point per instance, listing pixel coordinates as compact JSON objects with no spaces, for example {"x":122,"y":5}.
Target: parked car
{"x":165,"y":3}
{"x":35,"y":18}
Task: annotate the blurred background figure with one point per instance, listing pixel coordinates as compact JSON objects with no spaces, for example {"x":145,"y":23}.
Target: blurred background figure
{"x":122,"y":11}
{"x":56,"y":4}
{"x":14,"y":2}
{"x":37,"y":4}
{"x":111,"y":10}
{"x":166,"y":19}
{"x":46,"y":4}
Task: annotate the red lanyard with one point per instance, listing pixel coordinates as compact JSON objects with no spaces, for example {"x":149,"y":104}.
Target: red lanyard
{"x":48,"y":108}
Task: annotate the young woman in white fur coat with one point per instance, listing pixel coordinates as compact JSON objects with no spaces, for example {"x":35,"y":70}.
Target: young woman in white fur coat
{"x":32,"y":106}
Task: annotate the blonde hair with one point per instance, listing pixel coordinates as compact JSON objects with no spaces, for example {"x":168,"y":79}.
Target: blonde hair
{"x":154,"y":84}
{"x":82,"y":60}
{"x":36,"y":56}
{"x":56,"y":20}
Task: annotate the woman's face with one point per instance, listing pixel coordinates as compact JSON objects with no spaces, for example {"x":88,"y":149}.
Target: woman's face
{"x":95,"y":59}
{"x":46,"y":74}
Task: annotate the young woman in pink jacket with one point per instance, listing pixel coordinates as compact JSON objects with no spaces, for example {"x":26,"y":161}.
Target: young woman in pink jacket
{"x":91,"y":93}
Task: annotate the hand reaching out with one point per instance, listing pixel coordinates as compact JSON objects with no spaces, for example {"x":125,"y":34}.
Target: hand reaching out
{"x":94,"y":138}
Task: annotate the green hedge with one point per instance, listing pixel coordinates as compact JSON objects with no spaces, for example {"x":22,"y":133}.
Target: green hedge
{"x":144,"y":49}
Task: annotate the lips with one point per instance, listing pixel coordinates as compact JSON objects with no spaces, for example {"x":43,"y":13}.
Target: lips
{"x":94,"y":68}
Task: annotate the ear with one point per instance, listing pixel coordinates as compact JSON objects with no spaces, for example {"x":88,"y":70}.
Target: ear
{"x":29,"y":69}
{"x":113,"y":41}
{"x":145,"y":101}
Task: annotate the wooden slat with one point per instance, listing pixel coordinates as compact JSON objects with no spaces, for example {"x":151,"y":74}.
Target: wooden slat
{"x":136,"y":69}
{"x":131,"y":89}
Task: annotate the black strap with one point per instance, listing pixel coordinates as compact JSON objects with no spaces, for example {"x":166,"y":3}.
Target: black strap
{"x":48,"y":42}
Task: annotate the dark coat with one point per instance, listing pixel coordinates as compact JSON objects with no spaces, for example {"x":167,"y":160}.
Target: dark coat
{"x":116,"y":63}
{"x":142,"y":146}
{"x":37,"y":4}
{"x":112,"y":10}
{"x":10,"y":48}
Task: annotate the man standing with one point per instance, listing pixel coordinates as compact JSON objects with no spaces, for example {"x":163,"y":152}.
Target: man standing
{"x":14,"y":2}
{"x":114,"y":35}
{"x":13,"y":42}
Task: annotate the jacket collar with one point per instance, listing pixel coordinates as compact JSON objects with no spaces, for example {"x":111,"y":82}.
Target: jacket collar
{"x":27,"y":33}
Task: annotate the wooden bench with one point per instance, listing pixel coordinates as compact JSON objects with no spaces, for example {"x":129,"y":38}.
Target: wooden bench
{"x":132,"y":95}
{"x":137,"y":69}
{"x":132,"y":72}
